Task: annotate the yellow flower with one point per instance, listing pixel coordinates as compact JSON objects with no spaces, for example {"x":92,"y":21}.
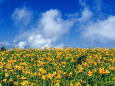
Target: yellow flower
{"x":113,"y":78}
{"x":95,"y":63}
{"x":98,"y":61}
{"x":0,"y":84}
{"x":23,"y":77}
{"x":89,"y":73}
{"x":88,"y":85}
{"x":59,"y":71}
{"x":80,"y":68}
{"x":81,"y":80}
{"x":78,"y":84}
{"x":54,"y":73}
{"x":42,"y":72}
{"x":84,"y":64}
{"x":58,"y":81}
{"x":57,"y":84}
{"x":4,"y":80}
{"x":70,"y":74}
{"x":72,"y":60}
{"x":38,"y":74}
{"x":26,"y":72}
{"x":32,"y":84}
{"x":64,"y":72}
{"x":112,"y":68}
{"x":6,"y":74}
{"x":58,"y":76}
{"x":34,"y":74}
{"x":43,"y":77}
{"x":50,"y":76}
{"x":10,"y":80}
{"x":32,"y":59}
{"x":41,"y":69}
{"x":95,"y":70}
{"x":11,"y":70}
{"x":71,"y":84}
{"x":5,"y":70}
{"x":23,"y":64}
{"x":1,"y":66}
{"x":107,"y":71}
{"x":11,"y":61}
{"x":15,"y":83}
{"x":24,"y":83}
{"x":101,"y":70}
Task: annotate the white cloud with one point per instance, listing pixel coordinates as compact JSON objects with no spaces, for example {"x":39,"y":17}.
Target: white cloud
{"x":36,"y":41}
{"x":101,"y":30}
{"x":86,"y":15}
{"x":21,"y":44}
{"x":22,"y":16}
{"x":53,"y":25}
{"x":60,"y":46}
{"x":80,"y":18}
{"x":50,"y":28}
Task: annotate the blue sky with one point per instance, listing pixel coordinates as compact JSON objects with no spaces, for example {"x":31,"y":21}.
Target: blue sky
{"x":57,"y":23}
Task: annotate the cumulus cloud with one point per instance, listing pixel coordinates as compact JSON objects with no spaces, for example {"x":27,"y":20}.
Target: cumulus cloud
{"x":101,"y":30}
{"x":22,"y":16}
{"x":49,"y":28}
{"x":21,"y":44}
{"x":53,"y":25}
{"x":86,"y":15}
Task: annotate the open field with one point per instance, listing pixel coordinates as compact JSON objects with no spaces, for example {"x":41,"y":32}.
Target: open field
{"x":57,"y":67}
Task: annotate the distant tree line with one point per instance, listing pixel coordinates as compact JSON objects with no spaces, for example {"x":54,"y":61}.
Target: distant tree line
{"x":3,"y":49}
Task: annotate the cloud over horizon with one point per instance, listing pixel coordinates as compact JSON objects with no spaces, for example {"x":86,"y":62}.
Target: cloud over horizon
{"x":102,"y":30}
{"x":47,"y":31}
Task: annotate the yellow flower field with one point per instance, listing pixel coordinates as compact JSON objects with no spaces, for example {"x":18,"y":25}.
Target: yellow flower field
{"x":57,"y":67}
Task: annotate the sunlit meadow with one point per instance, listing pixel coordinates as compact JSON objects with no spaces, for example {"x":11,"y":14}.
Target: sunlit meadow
{"x":57,"y":67}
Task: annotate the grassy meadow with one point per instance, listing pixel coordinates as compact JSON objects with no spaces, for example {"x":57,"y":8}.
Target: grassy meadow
{"x":57,"y":67}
